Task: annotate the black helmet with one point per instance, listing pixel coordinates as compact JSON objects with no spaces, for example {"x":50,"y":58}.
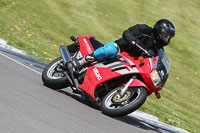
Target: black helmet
{"x":163,"y":31}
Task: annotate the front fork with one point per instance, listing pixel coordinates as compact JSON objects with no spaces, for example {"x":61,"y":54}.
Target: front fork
{"x":125,"y":88}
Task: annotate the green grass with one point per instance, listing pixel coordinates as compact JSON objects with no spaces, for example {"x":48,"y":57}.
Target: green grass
{"x":40,"y":26}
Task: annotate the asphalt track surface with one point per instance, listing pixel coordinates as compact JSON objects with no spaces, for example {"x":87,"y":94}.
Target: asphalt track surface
{"x":27,"y":106}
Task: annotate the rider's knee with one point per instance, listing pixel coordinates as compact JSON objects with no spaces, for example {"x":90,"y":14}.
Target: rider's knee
{"x":111,"y":50}
{"x":108,"y":51}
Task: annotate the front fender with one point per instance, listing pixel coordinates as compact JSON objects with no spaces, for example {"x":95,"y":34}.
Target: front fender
{"x":138,"y":83}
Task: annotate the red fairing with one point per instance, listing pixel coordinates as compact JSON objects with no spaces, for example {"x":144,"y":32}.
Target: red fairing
{"x":96,"y":76}
{"x":85,"y":45}
{"x":137,"y":82}
{"x":145,"y":70}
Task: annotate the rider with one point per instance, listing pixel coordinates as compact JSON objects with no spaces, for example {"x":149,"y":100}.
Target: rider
{"x":150,"y":39}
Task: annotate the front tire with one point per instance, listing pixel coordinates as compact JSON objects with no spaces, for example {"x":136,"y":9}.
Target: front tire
{"x":115,"y":106}
{"x":52,"y":77}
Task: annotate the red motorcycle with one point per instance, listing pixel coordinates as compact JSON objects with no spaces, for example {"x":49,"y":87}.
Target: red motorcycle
{"x":119,"y":86}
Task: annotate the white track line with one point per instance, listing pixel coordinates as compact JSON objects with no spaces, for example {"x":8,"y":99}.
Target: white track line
{"x":20,"y":64}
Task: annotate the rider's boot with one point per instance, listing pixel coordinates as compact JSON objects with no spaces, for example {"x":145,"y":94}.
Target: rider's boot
{"x":78,"y":63}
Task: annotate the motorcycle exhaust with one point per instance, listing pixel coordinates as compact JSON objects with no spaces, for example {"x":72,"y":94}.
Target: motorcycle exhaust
{"x":65,"y":54}
{"x":68,"y":63}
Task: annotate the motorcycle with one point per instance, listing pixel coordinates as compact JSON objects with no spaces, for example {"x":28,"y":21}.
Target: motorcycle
{"x":118,"y":86}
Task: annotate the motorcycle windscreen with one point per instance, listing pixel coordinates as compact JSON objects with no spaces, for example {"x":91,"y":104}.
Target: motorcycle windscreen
{"x":163,"y":66}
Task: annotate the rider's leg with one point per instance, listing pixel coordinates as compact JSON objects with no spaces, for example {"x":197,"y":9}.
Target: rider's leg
{"x":109,"y":51}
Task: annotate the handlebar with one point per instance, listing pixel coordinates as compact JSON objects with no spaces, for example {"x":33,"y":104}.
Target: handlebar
{"x":144,"y":51}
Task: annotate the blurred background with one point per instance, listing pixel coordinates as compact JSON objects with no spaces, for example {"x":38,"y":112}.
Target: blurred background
{"x":39,"y":27}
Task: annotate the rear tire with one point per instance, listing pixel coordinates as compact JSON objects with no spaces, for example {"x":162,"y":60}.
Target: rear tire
{"x":52,"y":81}
{"x":114,"y":106}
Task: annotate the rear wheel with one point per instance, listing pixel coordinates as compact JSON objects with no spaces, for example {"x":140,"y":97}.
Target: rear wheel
{"x":115,"y":106}
{"x":53,"y":76}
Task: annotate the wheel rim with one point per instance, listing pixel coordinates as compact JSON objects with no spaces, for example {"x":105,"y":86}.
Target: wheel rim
{"x":54,"y":72}
{"x":114,"y":101}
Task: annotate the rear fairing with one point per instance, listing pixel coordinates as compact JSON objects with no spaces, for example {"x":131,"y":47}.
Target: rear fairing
{"x":85,"y":45}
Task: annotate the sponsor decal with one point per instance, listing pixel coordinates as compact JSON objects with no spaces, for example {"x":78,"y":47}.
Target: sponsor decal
{"x":97,"y":74}
{"x":87,"y":45}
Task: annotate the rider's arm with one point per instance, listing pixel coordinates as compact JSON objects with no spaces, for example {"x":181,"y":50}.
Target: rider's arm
{"x":136,"y":32}
{"x":131,"y":34}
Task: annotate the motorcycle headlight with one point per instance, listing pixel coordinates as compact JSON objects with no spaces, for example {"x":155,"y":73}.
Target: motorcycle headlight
{"x":155,"y":77}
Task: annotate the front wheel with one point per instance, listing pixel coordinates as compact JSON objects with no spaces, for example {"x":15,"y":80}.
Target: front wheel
{"x":53,"y":76}
{"x":116,"y":106}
